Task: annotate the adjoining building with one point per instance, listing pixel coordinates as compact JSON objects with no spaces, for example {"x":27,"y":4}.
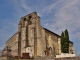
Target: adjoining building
{"x":32,"y":40}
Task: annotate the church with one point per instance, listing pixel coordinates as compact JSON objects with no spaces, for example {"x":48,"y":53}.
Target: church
{"x":32,"y":40}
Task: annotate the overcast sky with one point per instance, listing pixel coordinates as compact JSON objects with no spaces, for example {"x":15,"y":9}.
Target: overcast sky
{"x":55,"y":15}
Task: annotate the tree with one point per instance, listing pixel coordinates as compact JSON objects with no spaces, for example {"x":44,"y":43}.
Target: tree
{"x":65,"y":41}
{"x":62,"y":41}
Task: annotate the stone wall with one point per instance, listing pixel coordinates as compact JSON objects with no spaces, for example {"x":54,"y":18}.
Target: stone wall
{"x":52,"y":41}
{"x":6,"y":58}
{"x":12,"y":44}
{"x":71,"y":48}
{"x":23,"y":39}
{"x":33,"y":39}
{"x":65,"y":55}
{"x":3,"y":58}
{"x":42,"y":58}
{"x":51,"y":58}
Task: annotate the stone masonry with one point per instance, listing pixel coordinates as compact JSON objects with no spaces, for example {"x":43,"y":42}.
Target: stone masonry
{"x":33,"y":39}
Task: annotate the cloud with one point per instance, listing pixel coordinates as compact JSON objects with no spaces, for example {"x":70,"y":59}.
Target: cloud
{"x":7,"y":30}
{"x":21,"y":7}
{"x":56,"y":16}
{"x":66,"y":15}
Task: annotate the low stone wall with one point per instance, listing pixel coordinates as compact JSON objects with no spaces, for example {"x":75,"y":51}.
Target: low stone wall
{"x":51,"y":58}
{"x":10,"y":58}
{"x":43,"y":58}
{"x":6,"y":58}
{"x":22,"y":59}
{"x":65,"y":55}
{"x":3,"y":58}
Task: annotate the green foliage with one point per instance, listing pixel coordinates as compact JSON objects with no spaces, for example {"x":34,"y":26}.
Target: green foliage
{"x":65,"y":41}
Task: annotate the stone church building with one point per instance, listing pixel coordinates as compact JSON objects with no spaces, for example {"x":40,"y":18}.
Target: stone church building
{"x":33,"y":40}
